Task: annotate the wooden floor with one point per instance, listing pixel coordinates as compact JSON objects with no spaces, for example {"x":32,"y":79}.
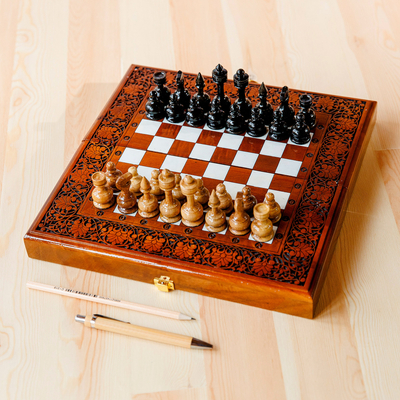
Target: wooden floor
{"x":60,"y":61}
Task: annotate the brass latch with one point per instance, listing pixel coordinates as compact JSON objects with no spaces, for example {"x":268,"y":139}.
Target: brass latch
{"x":164,"y":283}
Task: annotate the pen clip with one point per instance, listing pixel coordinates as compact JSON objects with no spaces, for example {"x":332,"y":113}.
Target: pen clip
{"x":103,"y":316}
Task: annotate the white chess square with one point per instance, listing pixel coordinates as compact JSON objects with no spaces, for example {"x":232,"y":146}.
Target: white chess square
{"x":148,"y":127}
{"x":232,"y":188}
{"x":220,"y":233}
{"x":189,"y":134}
{"x":280,"y":197}
{"x":174,"y":163}
{"x":260,"y":179}
{"x":216,"y":171}
{"x":214,"y":130}
{"x":173,"y":123}
{"x":160,"y":144}
{"x":132,"y":156}
{"x":301,"y":145}
{"x":202,"y":152}
{"x":245,"y":159}
{"x":116,"y":211}
{"x":229,"y":141}
{"x":145,"y":171}
{"x":274,"y":228}
{"x":288,"y":167}
{"x":273,"y":149}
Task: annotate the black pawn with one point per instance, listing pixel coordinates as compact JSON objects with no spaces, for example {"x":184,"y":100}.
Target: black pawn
{"x":175,"y":111}
{"x":300,"y":131}
{"x":155,"y":107}
{"x":286,"y":108}
{"x":309,"y":113}
{"x":160,"y":78}
{"x":195,"y":114}
{"x":220,"y":76}
{"x":203,"y":98}
{"x":264,"y":106}
{"x":182,"y":94}
{"x":216,"y":116}
{"x":235,"y":123}
{"x":257,"y":126}
{"x":278,"y":130}
{"x":241,"y":81}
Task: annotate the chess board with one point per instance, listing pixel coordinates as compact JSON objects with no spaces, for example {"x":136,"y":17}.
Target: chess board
{"x":312,"y":183}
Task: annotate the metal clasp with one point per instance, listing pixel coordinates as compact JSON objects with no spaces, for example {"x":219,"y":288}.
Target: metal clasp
{"x":164,"y":283}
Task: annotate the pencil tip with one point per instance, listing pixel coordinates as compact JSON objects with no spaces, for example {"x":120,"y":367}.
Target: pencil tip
{"x":194,"y":319}
{"x":185,"y":317}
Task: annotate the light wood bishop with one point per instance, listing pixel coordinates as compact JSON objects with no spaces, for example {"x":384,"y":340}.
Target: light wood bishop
{"x":126,"y":200}
{"x":239,"y":221}
{"x":102,"y":194}
{"x":155,"y":185}
{"x":169,"y":208}
{"x":148,"y":203}
{"x":274,"y":208}
{"x":215,"y":218}
{"x":191,"y":211}
{"x":135,"y":181}
{"x":112,"y":174}
{"x":202,"y":195}
{"x":224,"y":198}
{"x":177,"y":192}
{"x":261,"y":228}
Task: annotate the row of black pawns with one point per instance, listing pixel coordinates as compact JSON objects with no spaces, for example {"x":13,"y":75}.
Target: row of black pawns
{"x":237,"y":117}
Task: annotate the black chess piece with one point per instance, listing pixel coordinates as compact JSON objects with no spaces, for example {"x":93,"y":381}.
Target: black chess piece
{"x":257,"y":126}
{"x":235,"y":123}
{"x":278,"y":129}
{"x":264,"y":106}
{"x":241,"y":81}
{"x":195,"y":115}
{"x":160,"y":78}
{"x":300,"y":131}
{"x":216,"y":117}
{"x":309,"y":113}
{"x":182,"y":94}
{"x":220,"y":76}
{"x":286,"y":108}
{"x":203,"y":98}
{"x":155,"y":107}
{"x":175,"y":111}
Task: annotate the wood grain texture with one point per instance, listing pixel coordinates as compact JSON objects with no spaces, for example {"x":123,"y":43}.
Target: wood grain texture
{"x":60,"y":62}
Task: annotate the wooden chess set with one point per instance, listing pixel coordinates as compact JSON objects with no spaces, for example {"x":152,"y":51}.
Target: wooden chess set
{"x":228,"y":189}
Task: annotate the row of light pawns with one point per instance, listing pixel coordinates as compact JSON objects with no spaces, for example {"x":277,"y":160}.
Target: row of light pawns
{"x":185,"y":199}
{"x":237,"y":117}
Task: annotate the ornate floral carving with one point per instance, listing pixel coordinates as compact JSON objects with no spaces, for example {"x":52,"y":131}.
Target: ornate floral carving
{"x":291,"y":266}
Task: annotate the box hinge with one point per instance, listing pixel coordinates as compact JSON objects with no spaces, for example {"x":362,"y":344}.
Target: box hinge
{"x":164,"y":283}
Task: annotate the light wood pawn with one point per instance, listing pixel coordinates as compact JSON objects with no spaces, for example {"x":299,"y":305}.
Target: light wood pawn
{"x":148,"y":203}
{"x":225,"y":199}
{"x":135,"y":181}
{"x":249,"y":201}
{"x":177,"y":192}
{"x":102,"y":194}
{"x":261,"y":228}
{"x":112,"y":174}
{"x":239,"y":221}
{"x":169,"y":208}
{"x":126,"y":200}
{"x":274,"y":208}
{"x":155,"y":185}
{"x":191,"y":211}
{"x":215,"y":218}
{"x":202,"y":195}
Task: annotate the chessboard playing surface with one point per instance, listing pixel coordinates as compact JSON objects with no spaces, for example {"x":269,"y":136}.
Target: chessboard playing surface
{"x":311,"y":183}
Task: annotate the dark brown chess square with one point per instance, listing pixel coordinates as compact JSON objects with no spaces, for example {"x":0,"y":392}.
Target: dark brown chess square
{"x":251,"y":145}
{"x":153,"y":160}
{"x":181,"y":149}
{"x":168,"y":130}
{"x":223,"y":156}
{"x":266,"y":164}
{"x":195,"y":167}
{"x":238,"y":175}
{"x":209,"y":137}
{"x":139,"y":141}
{"x":293,"y":152}
{"x":282,"y":183}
